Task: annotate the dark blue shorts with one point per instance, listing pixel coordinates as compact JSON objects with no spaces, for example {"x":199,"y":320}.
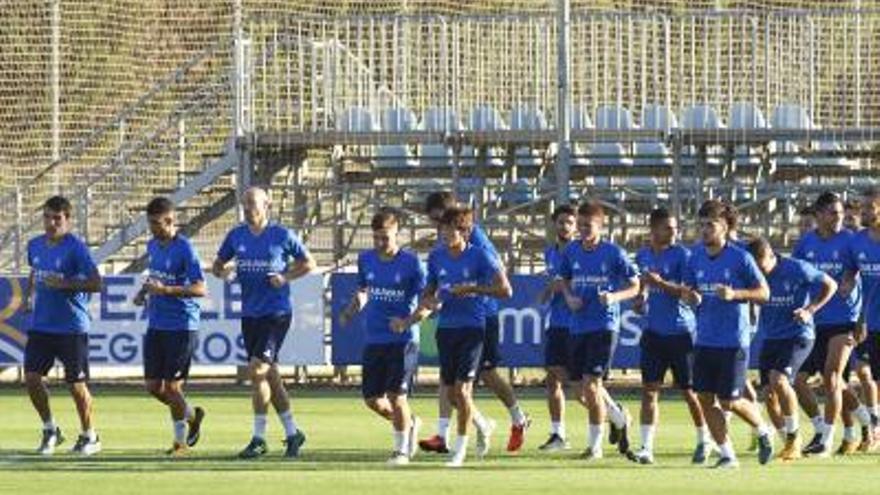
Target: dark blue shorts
{"x":720,"y":371}
{"x":72,"y":350}
{"x":556,"y":347}
{"x":591,"y":354}
{"x":168,"y":354}
{"x":815,"y":362}
{"x":491,"y":356}
{"x":784,"y":356}
{"x":661,"y":353}
{"x":459,"y":351}
{"x":869,"y":352}
{"x":388,"y":368}
{"x":264,"y":335}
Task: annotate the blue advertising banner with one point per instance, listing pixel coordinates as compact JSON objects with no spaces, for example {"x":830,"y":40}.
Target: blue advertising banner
{"x":523,"y":322}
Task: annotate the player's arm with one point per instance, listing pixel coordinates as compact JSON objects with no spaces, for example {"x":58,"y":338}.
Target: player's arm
{"x":669,"y":288}
{"x":758,"y":294}
{"x":428,"y":300}
{"x":28,"y":294}
{"x":847,"y":282}
{"x":630,"y":291}
{"x":195,"y":289}
{"x":222,"y":268}
{"x":354,"y":306}
{"x":828,"y":288}
{"x":90,"y":284}
{"x":552,"y":287}
{"x":300,"y":267}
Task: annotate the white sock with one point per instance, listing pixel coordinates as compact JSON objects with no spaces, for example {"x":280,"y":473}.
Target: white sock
{"x":90,"y":434}
{"x":260,"y":424}
{"x":461,"y":444}
{"x":400,"y":441}
{"x":849,"y":433}
{"x":188,"y":412}
{"x":818,"y":424}
{"x":557,"y":428}
{"x":49,"y":424}
{"x":875,"y":410}
{"x":862,"y":415}
{"x":762,"y":430}
{"x":516,"y":415}
{"x":726,"y":449}
{"x":289,"y":424}
{"x":443,"y":427}
{"x":179,"y":428}
{"x":648,"y":437}
{"x":791,"y":424}
{"x":703,"y":435}
{"x":479,"y":421}
{"x":827,"y":434}
{"x":615,"y":413}
{"x":595,"y":438}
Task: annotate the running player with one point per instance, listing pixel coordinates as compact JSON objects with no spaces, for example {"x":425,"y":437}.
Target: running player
{"x":598,"y":277}
{"x":786,"y":322}
{"x":556,"y":337}
{"x":722,"y":280}
{"x":829,"y":247}
{"x":436,"y":205}
{"x":667,"y":341}
{"x":461,"y":276}
{"x":170,"y":292}
{"x":267,"y":257}
{"x":63,"y":275}
{"x":390,"y":281}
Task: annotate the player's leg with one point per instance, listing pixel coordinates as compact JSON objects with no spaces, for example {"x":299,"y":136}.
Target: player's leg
{"x":74,"y":356}
{"x":439,"y":442}
{"x":401,"y":366}
{"x":680,"y":356}
{"x":489,"y":362}
{"x":840,"y":346}
{"x":39,"y":357}
{"x":556,"y":380}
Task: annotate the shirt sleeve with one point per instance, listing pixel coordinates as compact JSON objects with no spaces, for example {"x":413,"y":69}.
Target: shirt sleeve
{"x":565,"y":265}
{"x":193,"y":264}
{"x":227,"y":250}
{"x":750,"y":274}
{"x":361,"y":272}
{"x":489,"y":265}
{"x":689,"y":272}
{"x":30,"y":253}
{"x":294,"y":247}
{"x":798,"y":251}
{"x":626,"y":269}
{"x":850,"y":261}
{"x":83,"y":262}
{"x":432,"y":269}
{"x":811,"y":274}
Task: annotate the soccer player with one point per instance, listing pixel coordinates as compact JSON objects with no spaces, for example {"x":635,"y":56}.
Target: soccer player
{"x":390,"y":280}
{"x":436,"y":205}
{"x":721,"y":281}
{"x":852,"y":216}
{"x":829,"y":248}
{"x":62,"y":277}
{"x":265,"y":257}
{"x":806,"y":219}
{"x":175,"y":282}
{"x":556,"y":337}
{"x":866,"y":248}
{"x":461,"y":276}
{"x":786,"y":322}
{"x":667,"y":341}
{"x":597,"y":277}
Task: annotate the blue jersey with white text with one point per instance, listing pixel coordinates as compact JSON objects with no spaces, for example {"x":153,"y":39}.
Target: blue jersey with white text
{"x":393,"y":287}
{"x":867,"y":253}
{"x":560,"y":315}
{"x":791,"y":283}
{"x":473,"y":266}
{"x":174,"y":264}
{"x":833,"y":256}
{"x":667,"y":314}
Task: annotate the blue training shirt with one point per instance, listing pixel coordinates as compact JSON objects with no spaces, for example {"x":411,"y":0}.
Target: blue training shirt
{"x":60,"y":311}
{"x":474,"y":266}
{"x":791,"y":283}
{"x":833,"y":256}
{"x":722,"y":324}
{"x":666,"y":314}
{"x":256,"y":257}
{"x":175,"y":264}
{"x":604,"y":268}
{"x":867,"y":253}
{"x":393,"y":288}
{"x":560,"y":315}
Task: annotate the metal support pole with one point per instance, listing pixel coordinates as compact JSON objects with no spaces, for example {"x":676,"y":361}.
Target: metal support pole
{"x":55,"y":81}
{"x":563,"y":165}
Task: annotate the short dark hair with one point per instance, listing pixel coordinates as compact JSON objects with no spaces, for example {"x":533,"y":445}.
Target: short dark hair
{"x":807,"y":210}
{"x":459,"y":217}
{"x":159,"y":206}
{"x":591,"y":209}
{"x":658,"y":215}
{"x":562,"y":210}
{"x":59,"y":204}
{"x":731,"y":216}
{"x":825,"y":200}
{"x":382,"y":218}
{"x":713,"y":210}
{"x":439,"y":200}
{"x":759,"y":247}
{"x":853,"y":205}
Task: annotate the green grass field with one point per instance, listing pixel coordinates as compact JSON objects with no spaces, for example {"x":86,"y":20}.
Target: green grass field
{"x":347,"y":447}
